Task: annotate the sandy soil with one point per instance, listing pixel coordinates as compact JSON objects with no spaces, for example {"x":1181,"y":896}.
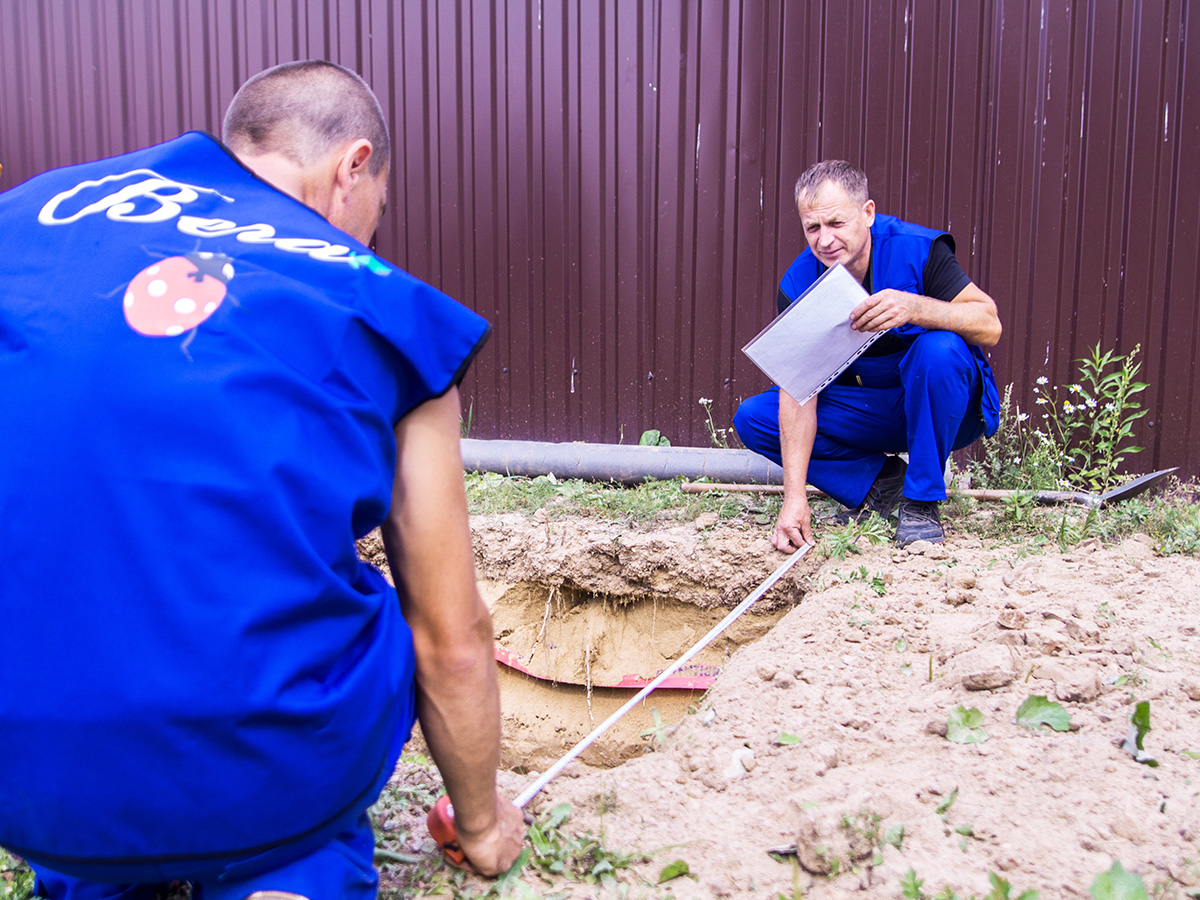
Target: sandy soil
{"x":858,"y":678}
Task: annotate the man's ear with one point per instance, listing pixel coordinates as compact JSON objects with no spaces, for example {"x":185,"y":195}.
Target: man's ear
{"x":869,"y":211}
{"x":352,"y":164}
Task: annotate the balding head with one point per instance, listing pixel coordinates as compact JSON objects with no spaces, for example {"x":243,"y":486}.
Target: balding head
{"x":305,"y":111}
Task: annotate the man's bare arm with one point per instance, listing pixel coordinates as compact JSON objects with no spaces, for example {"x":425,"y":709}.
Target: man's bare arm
{"x":797,"y":431}
{"x":428,"y":542}
{"x":971,"y":314}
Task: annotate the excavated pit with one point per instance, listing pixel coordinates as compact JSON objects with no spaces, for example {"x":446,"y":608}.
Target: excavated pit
{"x":570,"y":658}
{"x":586,"y":612}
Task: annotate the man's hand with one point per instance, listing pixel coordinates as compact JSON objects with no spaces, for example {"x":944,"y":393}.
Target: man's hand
{"x":884,"y":310}
{"x":793,"y":528}
{"x":971,"y":314}
{"x":493,"y":851}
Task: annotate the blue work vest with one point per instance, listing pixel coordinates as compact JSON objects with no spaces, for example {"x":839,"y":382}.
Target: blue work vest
{"x":899,"y":252}
{"x":200,"y":377}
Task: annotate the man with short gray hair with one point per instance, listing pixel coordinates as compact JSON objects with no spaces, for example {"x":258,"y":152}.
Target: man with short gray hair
{"x":925,"y":388}
{"x":306,"y":111}
{"x":212,"y":381}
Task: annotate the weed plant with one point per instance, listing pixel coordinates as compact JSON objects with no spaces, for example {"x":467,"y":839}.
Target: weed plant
{"x":839,"y":542}
{"x":722,"y":438}
{"x":1092,"y":419}
{"x":555,"y":859}
{"x":407,"y":857}
{"x":650,"y":503}
{"x":1018,"y":456}
{"x":1171,"y":518}
{"x":1081,"y":438}
{"x":584,"y":857}
{"x":16,"y":878}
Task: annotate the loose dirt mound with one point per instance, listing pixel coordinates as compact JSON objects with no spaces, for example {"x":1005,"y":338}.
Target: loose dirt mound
{"x":828,"y":734}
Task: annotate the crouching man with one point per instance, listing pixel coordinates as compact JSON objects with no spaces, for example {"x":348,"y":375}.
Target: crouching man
{"x":924,"y":388}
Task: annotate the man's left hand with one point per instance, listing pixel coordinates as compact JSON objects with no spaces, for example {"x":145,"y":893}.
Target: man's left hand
{"x":886,"y":309}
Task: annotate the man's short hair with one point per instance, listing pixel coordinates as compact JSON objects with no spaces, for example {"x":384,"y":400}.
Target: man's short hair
{"x":849,"y":178}
{"x":305,"y":111}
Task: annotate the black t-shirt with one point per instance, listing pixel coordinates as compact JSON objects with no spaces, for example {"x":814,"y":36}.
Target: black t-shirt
{"x":944,"y":280}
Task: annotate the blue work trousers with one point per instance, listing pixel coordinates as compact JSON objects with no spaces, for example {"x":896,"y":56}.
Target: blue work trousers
{"x":924,"y":401}
{"x":342,"y":867}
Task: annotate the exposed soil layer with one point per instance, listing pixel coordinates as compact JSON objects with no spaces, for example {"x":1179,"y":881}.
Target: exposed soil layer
{"x":831,"y":728}
{"x":566,"y":649}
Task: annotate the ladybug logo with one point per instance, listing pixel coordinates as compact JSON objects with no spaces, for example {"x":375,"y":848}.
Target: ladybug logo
{"x":176,"y":294}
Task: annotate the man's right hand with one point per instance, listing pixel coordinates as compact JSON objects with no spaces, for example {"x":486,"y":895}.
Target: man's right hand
{"x":493,"y":851}
{"x":793,"y":528}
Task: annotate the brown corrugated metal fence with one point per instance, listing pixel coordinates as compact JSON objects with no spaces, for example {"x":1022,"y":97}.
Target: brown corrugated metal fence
{"x":610,"y":182}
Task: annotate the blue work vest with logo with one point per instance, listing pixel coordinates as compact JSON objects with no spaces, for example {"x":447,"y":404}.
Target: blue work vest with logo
{"x":200,"y":378}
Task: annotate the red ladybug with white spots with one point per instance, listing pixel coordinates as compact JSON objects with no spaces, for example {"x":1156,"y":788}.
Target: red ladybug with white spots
{"x":177,"y":294}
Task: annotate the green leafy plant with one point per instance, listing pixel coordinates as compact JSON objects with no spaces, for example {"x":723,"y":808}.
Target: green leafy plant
{"x":1019,"y":507}
{"x":16,"y":878}
{"x":1182,"y":534}
{"x":676,"y":869}
{"x":575,"y":857}
{"x":720,"y":437}
{"x":1037,"y":711}
{"x":398,"y":818}
{"x":841,"y":541}
{"x":1079,"y":437}
{"x":965,"y":726}
{"x":1002,"y":890}
{"x":656,"y":735}
{"x":1139,"y":727}
{"x":944,"y":806}
{"x":1118,"y":884}
{"x":910,"y":887}
{"x":1092,"y":419}
{"x":651,"y":503}
{"x":465,"y":422}
{"x":1018,"y":456}
{"x":877,"y":582}
{"x":652,"y":437}
{"x":894,"y":836}
{"x":1070,"y":532}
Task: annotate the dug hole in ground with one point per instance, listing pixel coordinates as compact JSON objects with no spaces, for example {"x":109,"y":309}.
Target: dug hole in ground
{"x":825,"y":727}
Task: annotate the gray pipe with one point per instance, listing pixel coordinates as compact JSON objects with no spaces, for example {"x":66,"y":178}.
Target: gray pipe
{"x":624,"y":463}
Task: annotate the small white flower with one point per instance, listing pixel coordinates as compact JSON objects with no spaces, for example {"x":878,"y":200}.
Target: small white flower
{"x":1042,"y":401}
{"x":1068,"y":406}
{"x":1042,"y":379}
{"x":1109,"y":407}
{"x":1091,"y":403}
{"x":1074,"y":389}
{"x":704,"y":401}
{"x":1022,"y":417}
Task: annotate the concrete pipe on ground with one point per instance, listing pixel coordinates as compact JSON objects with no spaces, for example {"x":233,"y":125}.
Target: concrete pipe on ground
{"x":623,"y":463}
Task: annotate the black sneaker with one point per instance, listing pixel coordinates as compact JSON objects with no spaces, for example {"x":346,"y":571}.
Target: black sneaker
{"x":919,"y":521}
{"x":883,"y":496}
